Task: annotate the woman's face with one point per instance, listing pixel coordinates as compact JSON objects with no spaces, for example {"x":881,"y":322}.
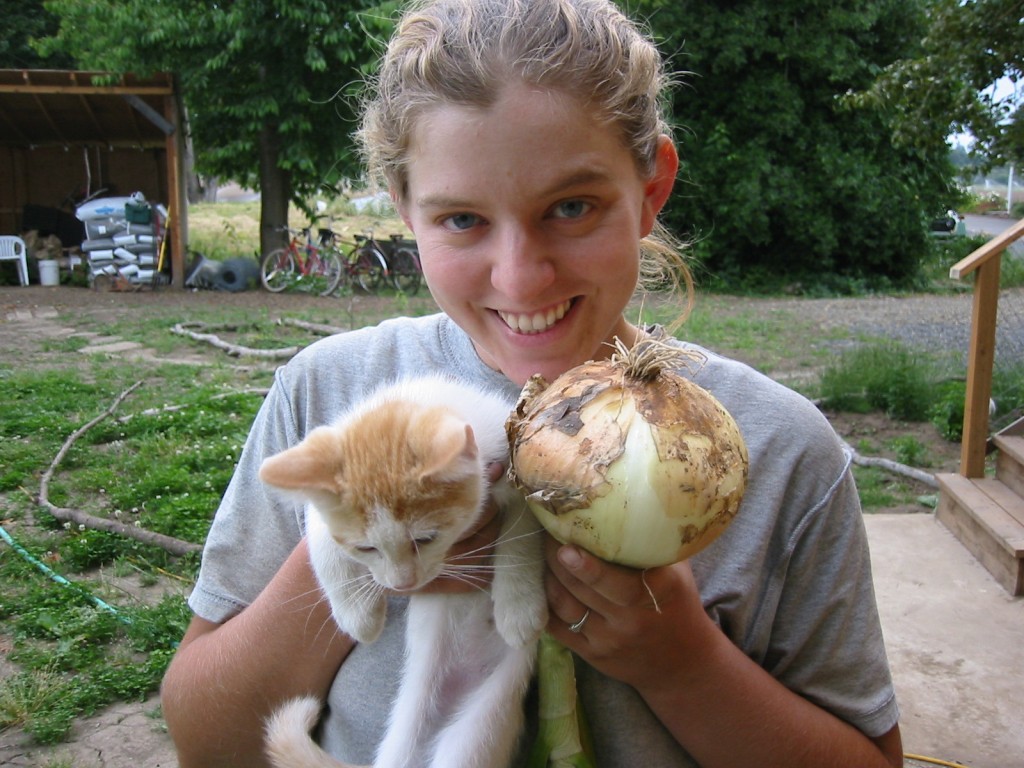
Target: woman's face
{"x":528,"y":218}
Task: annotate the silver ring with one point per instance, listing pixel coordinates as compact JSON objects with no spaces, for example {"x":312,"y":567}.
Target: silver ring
{"x":578,"y":626}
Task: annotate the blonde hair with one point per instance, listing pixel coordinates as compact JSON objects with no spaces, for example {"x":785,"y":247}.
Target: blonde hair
{"x":463,"y":52}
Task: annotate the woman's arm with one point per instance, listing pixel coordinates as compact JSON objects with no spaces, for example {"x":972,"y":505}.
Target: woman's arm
{"x":650,"y":631}
{"x":226,"y":678}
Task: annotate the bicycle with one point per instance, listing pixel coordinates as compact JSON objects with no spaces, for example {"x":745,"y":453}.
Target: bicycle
{"x":404,"y":260}
{"x":364,"y":265}
{"x":313,"y":267}
{"x":400,"y":257}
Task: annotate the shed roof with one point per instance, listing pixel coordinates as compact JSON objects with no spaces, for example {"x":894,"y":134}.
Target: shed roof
{"x":43,"y":107}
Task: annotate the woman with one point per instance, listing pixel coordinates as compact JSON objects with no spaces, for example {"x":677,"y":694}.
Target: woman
{"x":523,"y":145}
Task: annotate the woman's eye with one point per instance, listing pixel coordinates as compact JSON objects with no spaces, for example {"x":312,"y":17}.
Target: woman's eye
{"x":460,"y":222}
{"x":571,"y":209}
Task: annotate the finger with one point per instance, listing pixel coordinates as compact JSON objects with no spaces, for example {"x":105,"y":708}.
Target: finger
{"x":495,"y":471}
{"x":588,"y":577}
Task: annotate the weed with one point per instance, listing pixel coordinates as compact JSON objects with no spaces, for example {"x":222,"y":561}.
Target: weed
{"x":947,"y":409}
{"x":909,"y":450}
{"x":887,"y":376}
{"x":882,"y":490}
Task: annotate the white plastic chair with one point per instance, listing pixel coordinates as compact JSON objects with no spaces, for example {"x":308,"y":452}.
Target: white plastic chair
{"x":13,"y":248}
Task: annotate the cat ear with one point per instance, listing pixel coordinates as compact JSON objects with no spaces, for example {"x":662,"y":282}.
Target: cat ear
{"x":454,"y":455}
{"x":308,"y":465}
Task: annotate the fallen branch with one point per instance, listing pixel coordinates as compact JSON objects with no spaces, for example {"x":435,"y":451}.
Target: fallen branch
{"x":892,"y":466}
{"x":234,"y":350}
{"x":324,"y":330}
{"x":78,"y":517}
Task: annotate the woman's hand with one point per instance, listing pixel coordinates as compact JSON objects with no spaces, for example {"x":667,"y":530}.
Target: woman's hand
{"x":642,"y":626}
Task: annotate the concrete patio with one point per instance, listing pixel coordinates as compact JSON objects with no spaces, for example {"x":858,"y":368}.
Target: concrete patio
{"x":955,"y":641}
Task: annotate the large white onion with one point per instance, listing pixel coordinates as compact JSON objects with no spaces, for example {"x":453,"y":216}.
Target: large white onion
{"x":628,"y":458}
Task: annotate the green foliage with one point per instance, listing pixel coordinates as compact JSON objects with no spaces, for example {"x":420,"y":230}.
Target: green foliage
{"x":75,"y":658}
{"x":943,"y":253}
{"x":888,"y":377}
{"x":909,"y":450}
{"x":946,"y":411}
{"x":25,"y":21}
{"x":777,"y":176}
{"x":271,"y":88}
{"x":947,"y":86}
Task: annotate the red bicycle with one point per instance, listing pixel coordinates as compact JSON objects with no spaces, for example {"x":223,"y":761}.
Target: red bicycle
{"x":304,"y":264}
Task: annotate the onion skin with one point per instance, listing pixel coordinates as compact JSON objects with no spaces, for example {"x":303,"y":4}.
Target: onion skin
{"x":583,"y":452}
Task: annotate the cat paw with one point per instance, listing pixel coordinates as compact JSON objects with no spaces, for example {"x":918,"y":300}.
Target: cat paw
{"x":363,"y":624}
{"x":522,"y":627}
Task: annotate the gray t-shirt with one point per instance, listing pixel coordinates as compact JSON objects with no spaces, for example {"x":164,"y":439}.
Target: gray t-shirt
{"x":789,"y":582}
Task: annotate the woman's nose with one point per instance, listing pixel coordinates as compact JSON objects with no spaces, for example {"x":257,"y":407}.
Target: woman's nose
{"x":522,"y":264}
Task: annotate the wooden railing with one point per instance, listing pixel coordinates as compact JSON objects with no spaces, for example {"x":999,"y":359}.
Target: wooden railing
{"x":985,"y":262}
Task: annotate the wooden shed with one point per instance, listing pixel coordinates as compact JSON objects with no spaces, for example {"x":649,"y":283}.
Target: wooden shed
{"x":66,"y":135}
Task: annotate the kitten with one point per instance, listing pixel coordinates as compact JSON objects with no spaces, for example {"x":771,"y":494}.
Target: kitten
{"x":391,"y":486}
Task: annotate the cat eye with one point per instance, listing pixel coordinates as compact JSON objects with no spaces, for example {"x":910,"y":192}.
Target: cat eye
{"x":425,"y":539}
{"x":366,"y":548}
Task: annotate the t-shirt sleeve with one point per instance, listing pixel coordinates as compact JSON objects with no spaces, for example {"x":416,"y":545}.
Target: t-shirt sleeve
{"x":826,"y":643}
{"x":254,"y":529}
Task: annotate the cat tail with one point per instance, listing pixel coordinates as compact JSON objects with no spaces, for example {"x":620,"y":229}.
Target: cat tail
{"x":288,"y":743}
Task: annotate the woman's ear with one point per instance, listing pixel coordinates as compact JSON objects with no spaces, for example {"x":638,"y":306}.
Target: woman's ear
{"x":659,"y":185}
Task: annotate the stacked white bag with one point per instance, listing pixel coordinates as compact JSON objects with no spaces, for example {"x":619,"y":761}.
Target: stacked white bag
{"x":122,"y":237}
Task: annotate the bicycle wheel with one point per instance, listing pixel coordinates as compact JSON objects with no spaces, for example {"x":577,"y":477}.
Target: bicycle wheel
{"x":330,"y":270}
{"x":369,"y":268}
{"x":405,"y":270}
{"x":277,"y":270}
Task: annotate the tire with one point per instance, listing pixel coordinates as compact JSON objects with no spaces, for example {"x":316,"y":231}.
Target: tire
{"x":405,"y":271}
{"x":323,"y":276}
{"x":369,"y":269}
{"x":332,"y":270}
{"x":277,"y":270}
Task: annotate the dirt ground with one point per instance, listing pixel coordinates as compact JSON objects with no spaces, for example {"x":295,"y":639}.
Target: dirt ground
{"x":133,"y":734}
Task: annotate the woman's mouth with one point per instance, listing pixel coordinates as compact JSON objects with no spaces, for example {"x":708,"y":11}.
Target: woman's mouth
{"x":535,"y":322}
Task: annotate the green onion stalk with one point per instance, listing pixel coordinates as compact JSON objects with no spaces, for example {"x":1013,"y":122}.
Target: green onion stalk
{"x":563,"y":739}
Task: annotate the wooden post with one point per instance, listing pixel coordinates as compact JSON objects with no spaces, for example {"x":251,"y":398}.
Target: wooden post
{"x":177,"y":203}
{"x":985,"y":262}
{"x":980,"y":361}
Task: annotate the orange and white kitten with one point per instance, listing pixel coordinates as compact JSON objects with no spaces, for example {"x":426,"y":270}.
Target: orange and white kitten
{"x":390,"y":487}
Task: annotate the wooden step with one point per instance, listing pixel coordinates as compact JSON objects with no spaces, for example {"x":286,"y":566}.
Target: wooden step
{"x":987,"y":516}
{"x":1010,"y":461}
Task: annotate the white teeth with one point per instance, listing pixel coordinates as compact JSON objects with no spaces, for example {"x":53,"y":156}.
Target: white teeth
{"x":537,"y":322}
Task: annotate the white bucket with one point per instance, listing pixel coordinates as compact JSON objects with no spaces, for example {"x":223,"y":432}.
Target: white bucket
{"x":49,"y":272}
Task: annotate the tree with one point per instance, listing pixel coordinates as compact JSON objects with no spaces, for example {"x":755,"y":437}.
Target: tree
{"x":950,"y":86}
{"x":270,"y":85}
{"x":25,"y":21}
{"x":781,"y":181}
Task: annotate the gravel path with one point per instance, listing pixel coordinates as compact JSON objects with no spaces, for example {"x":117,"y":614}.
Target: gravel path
{"x":924,"y":321}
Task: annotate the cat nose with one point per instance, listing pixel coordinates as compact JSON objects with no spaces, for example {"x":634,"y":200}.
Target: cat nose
{"x":404,"y":582}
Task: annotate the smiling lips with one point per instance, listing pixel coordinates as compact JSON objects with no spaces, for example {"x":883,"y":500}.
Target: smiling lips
{"x":535,"y":322}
